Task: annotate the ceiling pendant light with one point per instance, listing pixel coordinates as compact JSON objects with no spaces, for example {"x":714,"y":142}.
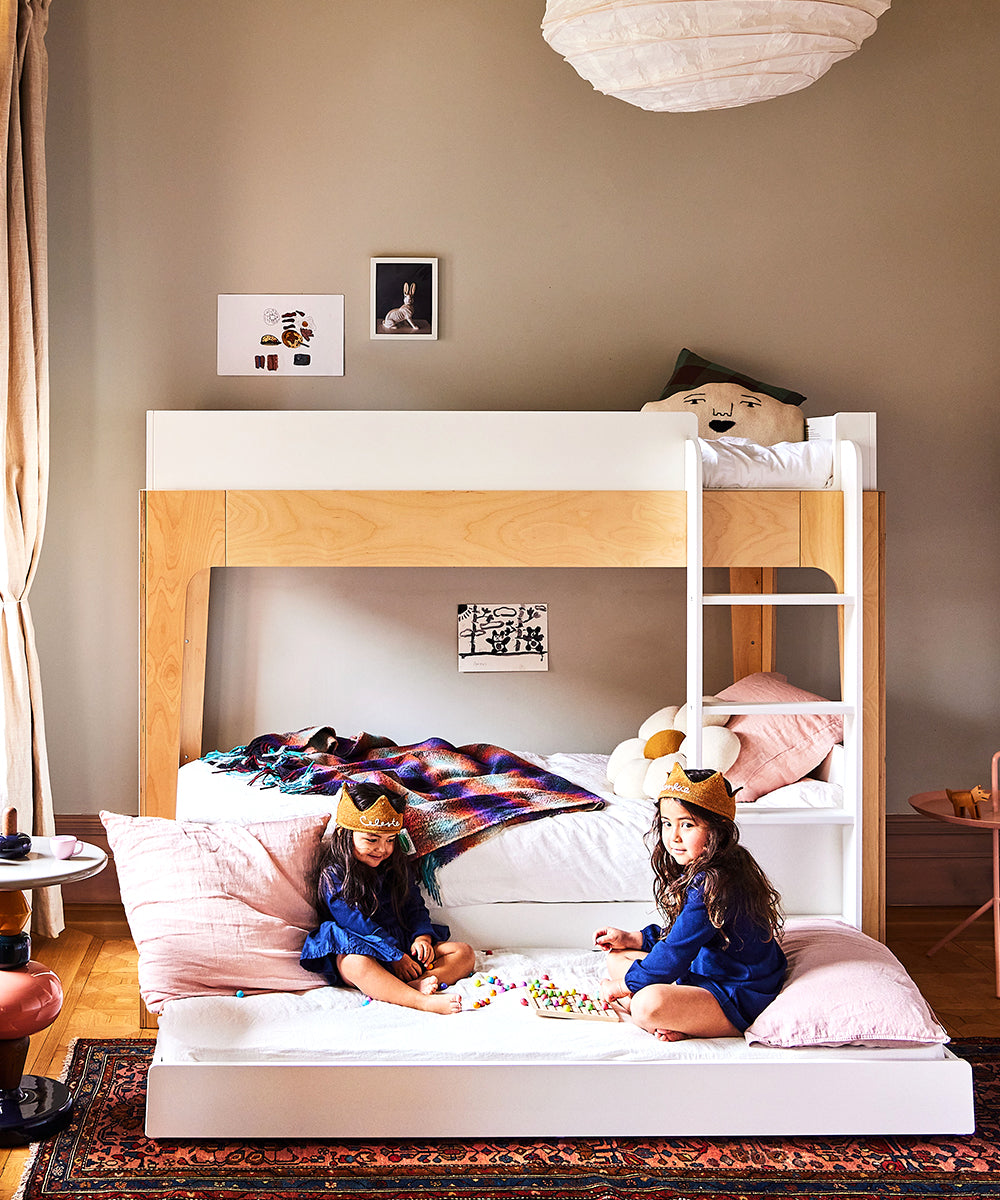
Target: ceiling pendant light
{"x":691,"y":55}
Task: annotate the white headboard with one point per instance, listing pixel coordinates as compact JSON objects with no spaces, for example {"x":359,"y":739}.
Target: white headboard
{"x":416,"y":450}
{"x":262,"y":450}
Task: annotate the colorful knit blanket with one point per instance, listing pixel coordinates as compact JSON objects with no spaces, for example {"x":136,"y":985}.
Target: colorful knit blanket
{"x":457,"y":796}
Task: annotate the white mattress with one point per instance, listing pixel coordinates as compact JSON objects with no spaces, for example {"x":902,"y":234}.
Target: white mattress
{"x":523,"y":863}
{"x":337,"y":1024}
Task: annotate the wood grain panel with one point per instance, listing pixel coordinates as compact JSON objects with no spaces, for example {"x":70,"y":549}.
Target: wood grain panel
{"x":195,"y":661}
{"x":754,"y":628}
{"x":822,"y":534}
{"x":873,"y":791}
{"x":183,"y":533}
{"x":751,"y":529}
{"x":456,"y":529}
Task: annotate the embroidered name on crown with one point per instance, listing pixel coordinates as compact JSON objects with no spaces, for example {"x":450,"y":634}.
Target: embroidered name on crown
{"x":377,"y":822}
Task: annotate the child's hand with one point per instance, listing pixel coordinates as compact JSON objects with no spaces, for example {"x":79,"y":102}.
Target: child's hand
{"x":406,"y":968}
{"x":610,"y":938}
{"x":614,"y":992}
{"x":423,"y":950}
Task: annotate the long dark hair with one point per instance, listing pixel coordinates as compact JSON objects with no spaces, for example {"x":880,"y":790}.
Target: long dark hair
{"x":358,"y":881}
{"x":734,"y":885}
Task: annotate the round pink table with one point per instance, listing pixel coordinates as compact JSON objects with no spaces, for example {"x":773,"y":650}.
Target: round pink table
{"x":32,"y":1106}
{"x":938,"y":807}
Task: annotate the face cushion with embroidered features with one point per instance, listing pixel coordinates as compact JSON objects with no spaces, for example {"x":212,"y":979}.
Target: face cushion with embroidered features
{"x":728,"y":403}
{"x":217,"y":908}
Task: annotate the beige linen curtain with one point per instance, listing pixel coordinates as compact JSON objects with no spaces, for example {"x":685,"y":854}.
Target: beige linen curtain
{"x":24,"y":407}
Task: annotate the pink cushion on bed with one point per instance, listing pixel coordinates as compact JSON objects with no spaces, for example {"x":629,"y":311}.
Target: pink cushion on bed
{"x":780,"y":749}
{"x":217,"y":908}
{"x":843,"y":989}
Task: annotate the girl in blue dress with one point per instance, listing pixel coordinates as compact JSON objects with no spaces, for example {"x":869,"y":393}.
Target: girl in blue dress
{"x":717,"y":964}
{"x":375,"y":933}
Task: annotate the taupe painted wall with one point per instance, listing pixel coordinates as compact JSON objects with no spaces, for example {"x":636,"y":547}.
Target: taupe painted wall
{"x":842,"y":241}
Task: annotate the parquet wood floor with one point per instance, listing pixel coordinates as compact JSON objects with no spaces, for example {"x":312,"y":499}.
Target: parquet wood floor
{"x":96,"y":961}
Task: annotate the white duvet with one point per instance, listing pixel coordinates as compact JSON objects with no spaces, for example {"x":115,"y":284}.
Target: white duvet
{"x":730,"y":463}
{"x":538,"y":861}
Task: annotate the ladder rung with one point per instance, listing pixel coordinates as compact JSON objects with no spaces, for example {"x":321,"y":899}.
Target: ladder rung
{"x":760,"y":599}
{"x":773,"y":707}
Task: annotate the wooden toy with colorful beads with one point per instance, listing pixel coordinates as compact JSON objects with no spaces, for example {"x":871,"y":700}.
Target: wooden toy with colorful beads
{"x":547,"y":1000}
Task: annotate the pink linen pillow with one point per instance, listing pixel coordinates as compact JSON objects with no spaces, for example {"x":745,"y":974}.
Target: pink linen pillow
{"x":216,"y":908}
{"x":780,"y":749}
{"x":843,"y":989}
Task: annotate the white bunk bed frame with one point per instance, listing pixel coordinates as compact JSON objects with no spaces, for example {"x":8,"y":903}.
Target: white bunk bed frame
{"x":583,"y":489}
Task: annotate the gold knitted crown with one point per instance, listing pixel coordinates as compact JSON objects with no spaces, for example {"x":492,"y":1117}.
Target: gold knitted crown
{"x":378,"y":817}
{"x":713,"y":793}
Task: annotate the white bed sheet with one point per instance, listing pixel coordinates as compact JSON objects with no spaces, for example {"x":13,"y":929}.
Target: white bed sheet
{"x":732,"y":463}
{"x":522,"y":863}
{"x":336,"y":1024}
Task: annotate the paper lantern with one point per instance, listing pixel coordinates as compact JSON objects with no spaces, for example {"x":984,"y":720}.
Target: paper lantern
{"x":691,"y":55}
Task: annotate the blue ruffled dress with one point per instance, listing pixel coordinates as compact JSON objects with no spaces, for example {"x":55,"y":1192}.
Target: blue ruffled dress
{"x":744,"y":976}
{"x":345,"y":930}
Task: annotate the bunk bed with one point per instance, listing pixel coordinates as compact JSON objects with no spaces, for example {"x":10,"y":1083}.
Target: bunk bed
{"x":585,"y":490}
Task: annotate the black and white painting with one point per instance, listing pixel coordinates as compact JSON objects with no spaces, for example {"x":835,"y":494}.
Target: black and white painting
{"x":503,"y":637}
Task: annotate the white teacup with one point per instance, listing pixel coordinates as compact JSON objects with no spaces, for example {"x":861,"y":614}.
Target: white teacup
{"x":65,"y":845}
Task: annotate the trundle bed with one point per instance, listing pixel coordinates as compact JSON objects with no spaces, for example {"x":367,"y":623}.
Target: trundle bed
{"x":586,"y":490}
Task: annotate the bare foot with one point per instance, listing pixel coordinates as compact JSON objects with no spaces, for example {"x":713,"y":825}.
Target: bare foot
{"x":668,"y":1035}
{"x":427,"y":985}
{"x":445,"y":1003}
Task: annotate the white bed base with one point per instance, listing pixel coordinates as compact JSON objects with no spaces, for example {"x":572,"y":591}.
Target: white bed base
{"x":812,"y":1092}
{"x":819,"y":1092}
{"x":813,"y":1095}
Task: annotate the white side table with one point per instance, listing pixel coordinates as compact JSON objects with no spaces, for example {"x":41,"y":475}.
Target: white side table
{"x":32,"y":1106}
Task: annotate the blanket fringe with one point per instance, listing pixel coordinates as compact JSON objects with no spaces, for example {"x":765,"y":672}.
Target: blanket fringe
{"x":427,"y":871}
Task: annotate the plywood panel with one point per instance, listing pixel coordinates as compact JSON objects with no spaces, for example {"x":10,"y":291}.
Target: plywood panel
{"x":753,"y":628}
{"x":822,"y":534}
{"x":873,"y":797}
{"x":751,"y":529}
{"x":456,"y":529}
{"x":183,"y":534}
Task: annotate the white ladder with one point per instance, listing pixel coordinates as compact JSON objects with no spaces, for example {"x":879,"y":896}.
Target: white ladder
{"x":851,"y":704}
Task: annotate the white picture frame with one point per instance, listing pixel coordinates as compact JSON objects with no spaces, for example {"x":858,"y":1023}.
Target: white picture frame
{"x":503,"y":637}
{"x":280,"y":334}
{"x":404,"y":299}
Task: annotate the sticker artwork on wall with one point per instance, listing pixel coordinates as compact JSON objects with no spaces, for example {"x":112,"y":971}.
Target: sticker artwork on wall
{"x":503,"y":637}
{"x":281,"y":335}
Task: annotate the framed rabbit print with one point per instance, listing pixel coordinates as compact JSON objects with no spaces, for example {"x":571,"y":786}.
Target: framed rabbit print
{"x":404,"y":298}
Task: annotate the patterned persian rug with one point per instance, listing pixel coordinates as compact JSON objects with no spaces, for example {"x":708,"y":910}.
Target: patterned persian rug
{"x":103,"y":1154}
